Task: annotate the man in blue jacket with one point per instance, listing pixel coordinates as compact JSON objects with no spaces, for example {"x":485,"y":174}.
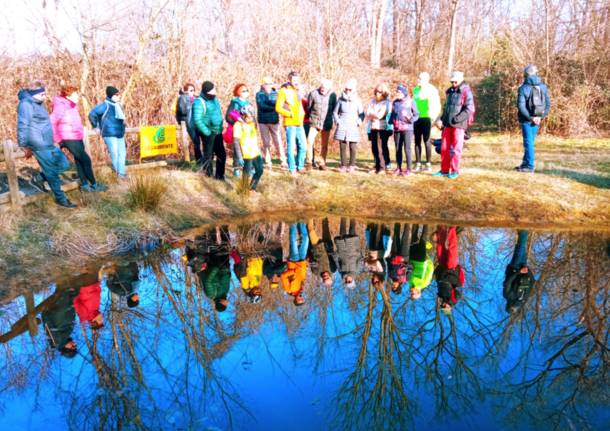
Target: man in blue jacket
{"x":533,"y":105}
{"x":35,"y":135}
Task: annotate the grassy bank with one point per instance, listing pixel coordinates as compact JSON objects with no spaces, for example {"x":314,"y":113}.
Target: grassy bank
{"x":571,"y":190}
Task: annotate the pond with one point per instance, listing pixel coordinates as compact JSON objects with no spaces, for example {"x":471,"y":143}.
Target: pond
{"x":326,"y":323}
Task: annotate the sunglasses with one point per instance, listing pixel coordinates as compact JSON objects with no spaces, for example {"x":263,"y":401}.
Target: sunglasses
{"x":244,"y":91}
{"x":378,"y":92}
{"x":349,"y":89}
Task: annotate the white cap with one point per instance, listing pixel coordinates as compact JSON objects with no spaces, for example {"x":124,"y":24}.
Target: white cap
{"x":424,"y":77}
{"x":351,"y":83}
{"x":457,"y":76}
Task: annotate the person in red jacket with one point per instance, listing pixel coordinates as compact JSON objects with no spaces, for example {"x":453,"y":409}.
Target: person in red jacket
{"x":449,"y":273}
{"x":87,"y":305}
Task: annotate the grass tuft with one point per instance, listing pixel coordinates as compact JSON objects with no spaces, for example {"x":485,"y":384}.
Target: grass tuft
{"x":145,"y":192}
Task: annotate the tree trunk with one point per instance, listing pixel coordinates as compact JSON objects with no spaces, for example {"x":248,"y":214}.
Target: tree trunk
{"x":396,"y":24}
{"x":379,"y":9}
{"x":454,"y":8}
{"x":419,"y":23}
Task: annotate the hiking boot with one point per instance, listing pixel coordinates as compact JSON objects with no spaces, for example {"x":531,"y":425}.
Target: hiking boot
{"x":389,"y":167}
{"x":38,"y":182}
{"x":440,"y":174}
{"x":322,"y":166}
{"x":397,"y":171}
{"x":237,"y":173}
{"x":453,"y":175}
{"x":65,"y":203}
{"x":86,"y":188}
{"x":308,"y":167}
{"x":428,"y":166}
{"x":525,"y":170}
{"x":97,"y":187}
{"x":343,"y":169}
{"x":417,"y":167}
{"x":351,"y":169}
{"x":406,"y":173}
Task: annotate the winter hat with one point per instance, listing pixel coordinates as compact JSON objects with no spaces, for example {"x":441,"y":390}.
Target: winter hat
{"x":530,"y":70}
{"x":206,"y":87}
{"x":457,"y":76}
{"x":111,"y":91}
{"x":403,"y":89}
{"x":36,"y":91}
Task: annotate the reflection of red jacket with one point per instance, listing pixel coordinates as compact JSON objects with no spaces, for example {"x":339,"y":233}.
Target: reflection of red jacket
{"x":447,"y":246}
{"x":87,"y":302}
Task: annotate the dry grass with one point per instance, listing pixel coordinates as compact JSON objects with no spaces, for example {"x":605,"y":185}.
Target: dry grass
{"x":571,"y":190}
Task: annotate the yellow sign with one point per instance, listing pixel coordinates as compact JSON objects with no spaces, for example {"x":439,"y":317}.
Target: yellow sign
{"x":157,"y":140}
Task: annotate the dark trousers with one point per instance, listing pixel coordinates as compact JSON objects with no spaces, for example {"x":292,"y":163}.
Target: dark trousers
{"x":417,"y":251}
{"x":258,"y":165}
{"x":352,"y":153}
{"x":421,"y":130}
{"x":82,"y":161}
{"x":213,"y":146}
{"x":343,"y":229}
{"x":379,"y":145}
{"x":53,"y":162}
{"x":197,"y":142}
{"x":403,"y":142}
{"x":401,"y":242}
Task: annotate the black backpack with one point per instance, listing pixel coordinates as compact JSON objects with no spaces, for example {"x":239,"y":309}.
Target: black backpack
{"x":536,"y":102}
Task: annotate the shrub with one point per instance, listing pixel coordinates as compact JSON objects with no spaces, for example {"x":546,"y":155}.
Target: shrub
{"x":145,"y":192}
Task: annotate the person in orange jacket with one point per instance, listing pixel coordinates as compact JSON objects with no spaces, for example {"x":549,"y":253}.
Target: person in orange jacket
{"x":296,"y":271}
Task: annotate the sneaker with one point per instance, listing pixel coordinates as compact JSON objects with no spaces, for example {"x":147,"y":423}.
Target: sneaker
{"x":453,"y":175}
{"x":525,"y":170}
{"x":343,"y":169}
{"x":308,"y":167}
{"x":236,"y":173}
{"x":294,"y":173}
{"x":38,"y":182}
{"x":428,"y":166}
{"x":351,"y":169}
{"x":417,"y":167}
{"x":397,"y":171}
{"x":97,"y":187}
{"x":406,"y":173}
{"x":66,"y":203}
{"x":373,"y":171}
{"x":440,"y":174}
{"x":284,"y":166}
{"x":86,"y":188}
{"x":388,"y":167}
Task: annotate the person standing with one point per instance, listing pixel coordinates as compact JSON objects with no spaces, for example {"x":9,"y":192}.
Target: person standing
{"x":378,"y":112}
{"x":428,"y":104}
{"x":449,"y":273}
{"x":207,"y":117}
{"x":533,"y":105}
{"x":68,"y":133}
{"x":233,"y":115}
{"x":320,"y":105}
{"x":35,"y":135}
{"x":184,"y":105}
{"x":268,"y":122}
{"x":518,"y":280}
{"x":244,"y":138}
{"x":293,"y":278}
{"x":348,"y":116}
{"x":404,"y":114}
{"x":108,"y":119}
{"x":457,"y":116}
{"x":289,"y":106}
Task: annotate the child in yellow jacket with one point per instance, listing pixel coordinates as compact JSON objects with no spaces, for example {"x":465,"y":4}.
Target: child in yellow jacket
{"x":245,"y":138}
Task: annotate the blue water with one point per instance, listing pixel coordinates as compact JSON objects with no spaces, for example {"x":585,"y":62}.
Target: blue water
{"x":344,"y":360}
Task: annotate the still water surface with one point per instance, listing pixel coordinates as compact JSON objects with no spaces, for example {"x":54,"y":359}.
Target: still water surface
{"x":325,"y":324}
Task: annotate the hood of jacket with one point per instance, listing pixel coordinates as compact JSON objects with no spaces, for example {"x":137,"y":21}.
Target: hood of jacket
{"x":62,"y":102}
{"x":533,"y":80}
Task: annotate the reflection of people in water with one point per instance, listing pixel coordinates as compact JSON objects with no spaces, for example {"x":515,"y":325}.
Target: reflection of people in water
{"x":87,"y":305}
{"x":296,"y":272}
{"x":449,"y":273}
{"x":519,"y":281}
{"x":423,"y":267}
{"x":399,"y":267}
{"x":348,"y":252}
{"x":250,"y":273}
{"x":59,"y":321}
{"x":322,"y":252}
{"x":273,"y":262}
{"x":122,"y":281}
{"x":378,"y":242}
{"x":209,"y":257}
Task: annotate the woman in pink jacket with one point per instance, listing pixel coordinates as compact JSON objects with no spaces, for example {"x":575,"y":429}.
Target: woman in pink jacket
{"x":68,"y":133}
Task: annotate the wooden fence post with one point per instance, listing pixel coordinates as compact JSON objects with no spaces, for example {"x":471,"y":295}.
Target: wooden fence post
{"x":11,"y":173}
{"x":184,"y":139}
{"x":31,"y":313}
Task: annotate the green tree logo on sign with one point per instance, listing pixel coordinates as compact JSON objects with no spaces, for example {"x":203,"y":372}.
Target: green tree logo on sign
{"x":159,"y":136}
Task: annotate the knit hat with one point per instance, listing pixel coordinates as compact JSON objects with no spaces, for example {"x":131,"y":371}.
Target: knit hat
{"x":457,"y":77}
{"x":403,"y":89}
{"x":206,"y":87}
{"x":530,"y":70}
{"x":111,"y":91}
{"x":35,"y":91}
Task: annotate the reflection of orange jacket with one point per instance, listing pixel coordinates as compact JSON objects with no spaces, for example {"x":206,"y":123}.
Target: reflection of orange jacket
{"x":294,"y":276}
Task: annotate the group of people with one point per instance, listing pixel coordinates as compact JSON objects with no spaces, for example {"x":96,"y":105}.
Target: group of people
{"x":404,"y":114}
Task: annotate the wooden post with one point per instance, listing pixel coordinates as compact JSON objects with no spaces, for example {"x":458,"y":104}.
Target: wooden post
{"x":11,"y":173}
{"x":184,"y":139}
{"x":31,"y":313}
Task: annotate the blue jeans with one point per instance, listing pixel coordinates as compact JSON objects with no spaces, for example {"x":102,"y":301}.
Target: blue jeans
{"x":520,"y":253}
{"x":296,"y":134}
{"x":529,"y":132}
{"x":118,"y":153}
{"x":298,"y":252}
{"x":53,"y":162}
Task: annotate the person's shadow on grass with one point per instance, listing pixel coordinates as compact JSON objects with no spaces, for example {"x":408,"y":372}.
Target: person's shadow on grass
{"x":599,"y":181}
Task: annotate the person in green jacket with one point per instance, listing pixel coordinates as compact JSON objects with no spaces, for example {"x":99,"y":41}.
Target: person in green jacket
{"x":207,"y":119}
{"x":423,"y":267}
{"x":209,"y":259}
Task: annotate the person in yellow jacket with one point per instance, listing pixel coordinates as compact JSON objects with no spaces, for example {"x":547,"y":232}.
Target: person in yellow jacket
{"x":250,"y":273}
{"x":296,"y":271}
{"x":245,"y":139}
{"x":290,"y":108}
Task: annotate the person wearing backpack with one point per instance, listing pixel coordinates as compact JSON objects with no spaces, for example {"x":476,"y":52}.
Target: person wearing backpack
{"x":457,"y":116}
{"x":184,"y":103}
{"x":206,"y":118}
{"x":269,"y":123}
{"x":518,"y":281}
{"x":108,"y":119}
{"x":533,"y":105}
{"x":404,"y":115}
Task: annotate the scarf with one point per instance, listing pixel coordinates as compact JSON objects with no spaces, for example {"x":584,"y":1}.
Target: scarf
{"x":118,"y":111}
